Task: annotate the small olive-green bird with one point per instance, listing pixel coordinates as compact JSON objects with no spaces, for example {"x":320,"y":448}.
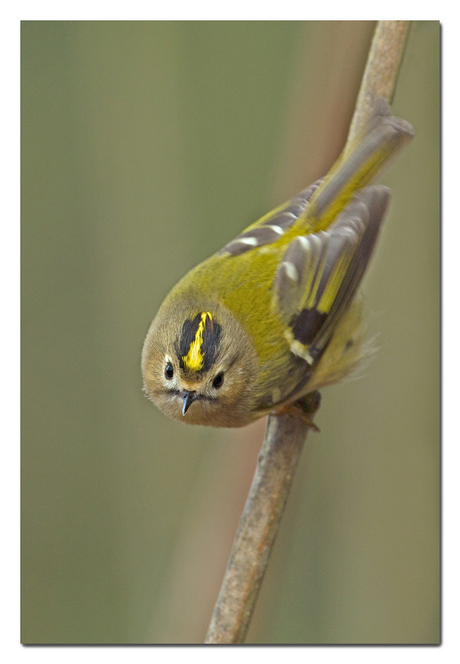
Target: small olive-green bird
{"x":275,"y":315}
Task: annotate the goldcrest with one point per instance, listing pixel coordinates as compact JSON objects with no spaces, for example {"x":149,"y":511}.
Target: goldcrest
{"x":275,"y":314}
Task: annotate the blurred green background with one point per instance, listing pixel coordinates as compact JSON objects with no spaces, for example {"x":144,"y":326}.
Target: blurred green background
{"x":146,"y":146}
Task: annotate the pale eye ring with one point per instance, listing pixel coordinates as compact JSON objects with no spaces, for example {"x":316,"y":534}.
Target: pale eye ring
{"x":169,"y":371}
{"x":218,"y":380}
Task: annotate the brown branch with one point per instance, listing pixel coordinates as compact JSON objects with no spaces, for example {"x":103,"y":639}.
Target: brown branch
{"x":381,"y":72}
{"x":286,"y":434}
{"x":258,"y":525}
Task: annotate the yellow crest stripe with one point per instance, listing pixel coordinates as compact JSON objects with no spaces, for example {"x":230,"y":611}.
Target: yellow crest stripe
{"x":194,"y":359}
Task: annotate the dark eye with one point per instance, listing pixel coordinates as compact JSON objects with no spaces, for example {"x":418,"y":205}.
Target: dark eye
{"x":169,"y":371}
{"x":218,"y":381}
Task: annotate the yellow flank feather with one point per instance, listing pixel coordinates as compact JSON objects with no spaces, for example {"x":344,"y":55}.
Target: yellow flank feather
{"x":194,"y":359}
{"x":335,"y":281}
{"x":314,"y":289}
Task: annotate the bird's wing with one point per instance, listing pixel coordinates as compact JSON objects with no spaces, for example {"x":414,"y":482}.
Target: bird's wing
{"x":320,"y":272}
{"x":270,"y":228}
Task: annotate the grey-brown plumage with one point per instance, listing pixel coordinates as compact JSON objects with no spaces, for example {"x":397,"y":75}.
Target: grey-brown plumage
{"x":269,"y":229}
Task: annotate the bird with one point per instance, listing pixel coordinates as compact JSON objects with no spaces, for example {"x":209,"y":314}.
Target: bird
{"x":276,"y":314}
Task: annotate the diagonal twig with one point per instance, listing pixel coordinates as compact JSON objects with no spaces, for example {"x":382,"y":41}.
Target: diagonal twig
{"x":286,"y":434}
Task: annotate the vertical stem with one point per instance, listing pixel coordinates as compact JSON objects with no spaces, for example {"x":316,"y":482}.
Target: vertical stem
{"x":258,"y":526}
{"x":381,"y":72}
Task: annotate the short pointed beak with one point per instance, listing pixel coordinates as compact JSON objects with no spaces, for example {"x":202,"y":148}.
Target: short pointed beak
{"x":187,"y":399}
